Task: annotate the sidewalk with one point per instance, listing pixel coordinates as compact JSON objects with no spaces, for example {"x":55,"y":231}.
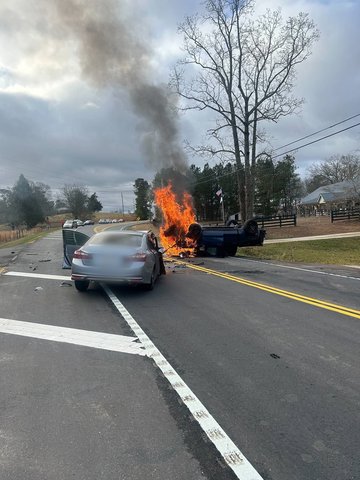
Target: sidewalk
{"x":314,"y":237}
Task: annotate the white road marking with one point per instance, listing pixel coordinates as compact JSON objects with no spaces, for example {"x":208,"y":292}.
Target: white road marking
{"x":302,"y":269}
{"x":38,"y":275}
{"x":85,"y":338}
{"x":232,"y":456}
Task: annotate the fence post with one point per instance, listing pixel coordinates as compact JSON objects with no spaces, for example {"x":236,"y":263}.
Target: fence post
{"x":332,"y":216}
{"x":294,"y":219}
{"x":280,"y":220}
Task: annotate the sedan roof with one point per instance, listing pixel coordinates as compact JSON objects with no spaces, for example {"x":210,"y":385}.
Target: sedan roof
{"x":122,"y":232}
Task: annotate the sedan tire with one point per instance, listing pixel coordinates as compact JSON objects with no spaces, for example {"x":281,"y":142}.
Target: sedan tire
{"x":81,"y":285}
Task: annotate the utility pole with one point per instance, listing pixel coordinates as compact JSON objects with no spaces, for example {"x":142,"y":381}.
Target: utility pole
{"x":122,"y":202}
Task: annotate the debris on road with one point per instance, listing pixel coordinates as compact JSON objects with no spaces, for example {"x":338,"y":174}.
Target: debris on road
{"x":38,"y":289}
{"x":274,"y":355}
{"x":45,"y":260}
{"x":65,"y":284}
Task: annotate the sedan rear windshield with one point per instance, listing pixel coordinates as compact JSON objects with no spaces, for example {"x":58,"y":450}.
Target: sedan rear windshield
{"x":121,"y":240}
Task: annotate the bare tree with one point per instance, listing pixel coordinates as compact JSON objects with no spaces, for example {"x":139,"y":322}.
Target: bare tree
{"x":336,"y":169}
{"x":242,"y":69}
{"x":76,"y":198}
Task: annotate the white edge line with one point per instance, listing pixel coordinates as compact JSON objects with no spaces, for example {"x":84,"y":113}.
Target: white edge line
{"x":232,"y":456}
{"x":38,"y":275}
{"x":302,"y":269}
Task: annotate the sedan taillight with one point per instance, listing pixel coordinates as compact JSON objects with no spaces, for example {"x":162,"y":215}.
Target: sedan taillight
{"x":138,"y":257}
{"x":81,"y":255}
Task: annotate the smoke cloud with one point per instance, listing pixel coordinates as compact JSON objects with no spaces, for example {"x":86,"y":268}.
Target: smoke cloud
{"x":112,"y":52}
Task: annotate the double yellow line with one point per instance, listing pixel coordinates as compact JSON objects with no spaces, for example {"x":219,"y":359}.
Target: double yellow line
{"x":350,"y":312}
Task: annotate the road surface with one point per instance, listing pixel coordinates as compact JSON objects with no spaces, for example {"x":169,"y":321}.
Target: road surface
{"x":268,"y":355}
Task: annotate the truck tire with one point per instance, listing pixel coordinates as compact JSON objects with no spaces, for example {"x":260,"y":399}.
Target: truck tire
{"x":231,"y":223}
{"x":251,"y":227}
{"x":231,"y":250}
{"x":194,"y":231}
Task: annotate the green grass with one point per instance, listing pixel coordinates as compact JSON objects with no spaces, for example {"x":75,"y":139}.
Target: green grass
{"x":26,"y":239}
{"x":338,"y":251}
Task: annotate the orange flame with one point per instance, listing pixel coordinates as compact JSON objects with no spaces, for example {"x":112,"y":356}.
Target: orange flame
{"x":177,"y":218}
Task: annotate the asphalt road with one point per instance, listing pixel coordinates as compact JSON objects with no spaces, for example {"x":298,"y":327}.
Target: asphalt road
{"x":281,"y":376}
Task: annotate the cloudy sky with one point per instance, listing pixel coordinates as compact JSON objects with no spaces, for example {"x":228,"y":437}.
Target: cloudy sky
{"x":72,"y":109}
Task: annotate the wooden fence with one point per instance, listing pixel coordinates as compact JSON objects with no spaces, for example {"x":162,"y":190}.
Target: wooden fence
{"x":351,"y":214}
{"x":10,"y":235}
{"x":278,"y":221}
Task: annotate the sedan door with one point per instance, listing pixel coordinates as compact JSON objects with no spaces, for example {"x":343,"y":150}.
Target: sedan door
{"x":72,"y":240}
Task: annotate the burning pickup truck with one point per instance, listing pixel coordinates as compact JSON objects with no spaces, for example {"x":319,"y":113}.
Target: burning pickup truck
{"x":181,"y":235}
{"x":223,"y":241}
{"x":212,"y":241}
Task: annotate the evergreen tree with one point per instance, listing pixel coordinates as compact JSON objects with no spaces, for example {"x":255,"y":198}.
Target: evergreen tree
{"x":288,"y":186}
{"x":265,"y":204}
{"x":93,"y":204}
{"x":142,"y":198}
{"x":24,"y":204}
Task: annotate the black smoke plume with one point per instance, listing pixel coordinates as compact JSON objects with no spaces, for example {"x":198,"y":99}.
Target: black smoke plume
{"x":113,"y":51}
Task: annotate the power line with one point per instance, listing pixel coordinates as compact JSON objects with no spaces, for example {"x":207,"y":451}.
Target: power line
{"x":317,"y":140}
{"x":212,"y":177}
{"x":216,"y":177}
{"x":319,"y":131}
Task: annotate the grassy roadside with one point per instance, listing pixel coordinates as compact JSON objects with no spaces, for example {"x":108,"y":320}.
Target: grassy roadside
{"x":337,"y":251}
{"x":27,"y":239}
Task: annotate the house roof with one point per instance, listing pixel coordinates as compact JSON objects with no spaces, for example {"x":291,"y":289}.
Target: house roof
{"x":330,"y":193}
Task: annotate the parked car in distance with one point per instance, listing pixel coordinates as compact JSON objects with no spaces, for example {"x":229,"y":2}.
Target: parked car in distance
{"x":118,"y":257}
{"x":80,"y":223}
{"x":89,"y":222}
{"x":70,"y":224}
{"x":114,"y":220}
{"x":101,"y":221}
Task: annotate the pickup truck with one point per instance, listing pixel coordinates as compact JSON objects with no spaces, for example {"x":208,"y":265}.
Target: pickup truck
{"x":223,"y":241}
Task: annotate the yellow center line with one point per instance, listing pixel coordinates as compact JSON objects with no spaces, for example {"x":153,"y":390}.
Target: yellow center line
{"x":350,"y":312}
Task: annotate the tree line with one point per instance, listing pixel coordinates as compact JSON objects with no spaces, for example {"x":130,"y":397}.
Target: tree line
{"x":214,"y":189}
{"x":278,"y":186}
{"x":29,"y":203}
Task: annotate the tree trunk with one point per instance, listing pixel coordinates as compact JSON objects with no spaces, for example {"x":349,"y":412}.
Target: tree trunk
{"x":249,"y":201}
